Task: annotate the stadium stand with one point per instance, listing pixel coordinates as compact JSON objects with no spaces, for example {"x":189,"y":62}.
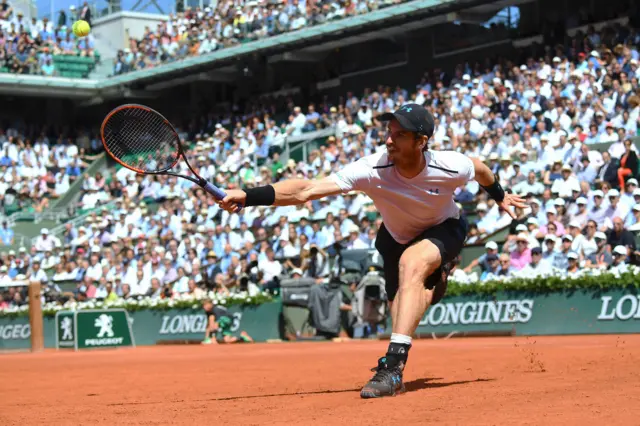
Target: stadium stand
{"x":201,"y":31}
{"x":559,"y":128}
{"x":42,"y":47}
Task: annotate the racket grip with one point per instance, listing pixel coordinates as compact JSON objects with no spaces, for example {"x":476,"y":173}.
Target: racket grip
{"x":214,"y":190}
{"x":217,"y":192}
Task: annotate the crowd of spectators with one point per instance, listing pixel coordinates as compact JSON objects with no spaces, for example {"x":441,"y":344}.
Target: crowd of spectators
{"x":537,"y":125}
{"x":35,"y":171}
{"x":200,"y":31}
{"x":27,"y":46}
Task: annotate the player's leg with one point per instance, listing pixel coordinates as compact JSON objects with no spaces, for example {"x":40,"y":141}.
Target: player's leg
{"x":419,"y":279}
{"x":245,"y":337}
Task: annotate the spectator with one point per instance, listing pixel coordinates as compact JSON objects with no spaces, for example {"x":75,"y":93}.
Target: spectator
{"x":619,"y":263}
{"x":493,"y":269}
{"x":628,"y":164}
{"x":521,"y":256}
{"x":536,"y":266}
{"x":6,"y":234}
{"x":618,"y":236}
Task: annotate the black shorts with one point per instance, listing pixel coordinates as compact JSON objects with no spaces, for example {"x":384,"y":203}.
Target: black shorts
{"x":449,"y":237}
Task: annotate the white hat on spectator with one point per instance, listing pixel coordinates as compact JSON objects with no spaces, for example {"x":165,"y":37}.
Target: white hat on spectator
{"x":20,"y":277}
{"x":621,"y":250}
{"x":535,"y":201}
{"x":550,"y":237}
{"x":521,"y":227}
{"x":572,"y":255}
{"x":12,"y":252}
{"x":574,"y":224}
{"x":566,"y":167}
{"x":505,"y":158}
{"x":552,"y":210}
{"x":44,"y":231}
{"x":22,"y":250}
{"x":354,"y":228}
{"x":491,"y":245}
{"x":95,"y":249}
{"x":296,"y":271}
{"x":466,"y":77}
{"x":567,"y":237}
{"x":493,"y":156}
{"x":595,"y":53}
{"x":613,"y":193}
{"x":496,"y":80}
{"x":474,"y":93}
{"x":522,"y":237}
{"x":632,"y":181}
{"x":581,"y":201}
{"x":600,"y":235}
{"x":598,"y":193}
{"x":559,"y":202}
{"x":556,"y":59}
{"x":636,"y":207}
{"x":523,"y":67}
{"x":532,"y":221}
{"x":200,"y":229}
{"x":636,"y":192}
{"x":482,"y":207}
{"x":513,"y":107}
{"x":475,"y":81}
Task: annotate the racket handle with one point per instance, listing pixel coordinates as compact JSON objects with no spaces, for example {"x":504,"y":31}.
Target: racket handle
{"x":217,"y":192}
{"x":214,"y":190}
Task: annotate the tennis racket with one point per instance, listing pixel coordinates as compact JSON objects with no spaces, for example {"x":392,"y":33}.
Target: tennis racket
{"x":142,"y":140}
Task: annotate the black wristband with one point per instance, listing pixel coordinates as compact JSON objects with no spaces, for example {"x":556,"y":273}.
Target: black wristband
{"x":260,"y":196}
{"x":495,"y":191}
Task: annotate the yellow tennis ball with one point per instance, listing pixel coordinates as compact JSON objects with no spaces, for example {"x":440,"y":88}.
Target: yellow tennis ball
{"x":81,"y":28}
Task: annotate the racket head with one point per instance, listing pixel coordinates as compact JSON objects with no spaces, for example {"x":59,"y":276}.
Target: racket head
{"x":140,"y":139}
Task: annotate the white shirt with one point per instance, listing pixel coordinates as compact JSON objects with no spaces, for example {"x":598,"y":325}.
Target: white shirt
{"x":270,"y":268}
{"x":409,"y":206}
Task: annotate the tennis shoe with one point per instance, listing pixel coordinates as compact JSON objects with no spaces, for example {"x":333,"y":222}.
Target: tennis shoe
{"x":386,"y":382}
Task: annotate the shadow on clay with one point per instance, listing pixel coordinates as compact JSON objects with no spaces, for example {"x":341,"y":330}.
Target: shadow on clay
{"x":414,"y":385}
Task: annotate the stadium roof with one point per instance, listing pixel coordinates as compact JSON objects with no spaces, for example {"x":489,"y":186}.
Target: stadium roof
{"x":400,"y":16}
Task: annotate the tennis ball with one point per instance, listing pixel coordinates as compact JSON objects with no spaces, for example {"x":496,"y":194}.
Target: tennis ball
{"x":81,"y":28}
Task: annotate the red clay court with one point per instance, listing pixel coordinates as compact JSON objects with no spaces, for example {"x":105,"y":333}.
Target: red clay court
{"x":537,"y":380}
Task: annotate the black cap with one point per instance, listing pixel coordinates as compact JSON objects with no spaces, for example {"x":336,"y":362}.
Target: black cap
{"x":412,"y":117}
{"x":491,"y":257}
{"x":536,"y":250}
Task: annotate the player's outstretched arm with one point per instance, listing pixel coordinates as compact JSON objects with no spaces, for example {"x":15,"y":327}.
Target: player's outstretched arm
{"x":286,"y":193}
{"x":488,"y":181}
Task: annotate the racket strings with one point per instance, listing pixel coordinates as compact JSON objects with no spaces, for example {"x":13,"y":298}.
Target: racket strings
{"x":141,"y":139}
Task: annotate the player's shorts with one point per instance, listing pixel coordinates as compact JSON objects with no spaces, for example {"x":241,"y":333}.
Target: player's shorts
{"x":449,"y":237}
{"x":224,"y":326}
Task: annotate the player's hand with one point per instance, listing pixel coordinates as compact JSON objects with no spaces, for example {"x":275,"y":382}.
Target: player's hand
{"x":512,"y":200}
{"x":235,"y":199}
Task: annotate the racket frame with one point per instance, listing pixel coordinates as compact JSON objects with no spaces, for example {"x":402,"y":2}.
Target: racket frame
{"x":200,"y":181}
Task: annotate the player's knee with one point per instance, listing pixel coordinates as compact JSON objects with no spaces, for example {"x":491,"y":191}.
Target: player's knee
{"x":417,"y":263}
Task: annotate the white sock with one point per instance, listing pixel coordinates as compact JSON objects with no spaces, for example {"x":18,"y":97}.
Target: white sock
{"x":401,"y":339}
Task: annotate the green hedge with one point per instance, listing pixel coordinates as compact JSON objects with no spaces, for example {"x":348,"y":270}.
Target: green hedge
{"x":604,"y":281}
{"x":132,"y":305}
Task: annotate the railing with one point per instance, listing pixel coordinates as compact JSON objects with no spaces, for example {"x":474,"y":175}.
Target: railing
{"x":74,"y":190}
{"x":57,"y":215}
{"x":58,"y":230}
{"x":306,"y":138}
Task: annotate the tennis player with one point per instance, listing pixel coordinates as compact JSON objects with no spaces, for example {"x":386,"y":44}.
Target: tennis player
{"x":422,"y":229}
